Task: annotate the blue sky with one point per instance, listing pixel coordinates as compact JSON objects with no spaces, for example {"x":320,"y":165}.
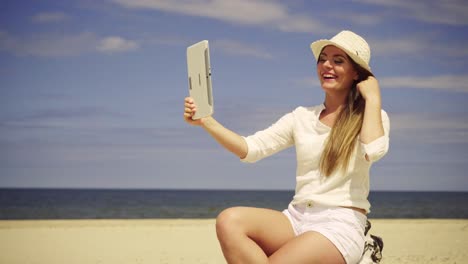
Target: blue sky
{"x":91,"y":92}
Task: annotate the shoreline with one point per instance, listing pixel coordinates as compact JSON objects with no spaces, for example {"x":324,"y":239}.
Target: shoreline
{"x":194,"y":241}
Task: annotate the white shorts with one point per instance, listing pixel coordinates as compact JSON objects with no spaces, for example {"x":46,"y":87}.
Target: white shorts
{"x":344,"y":227}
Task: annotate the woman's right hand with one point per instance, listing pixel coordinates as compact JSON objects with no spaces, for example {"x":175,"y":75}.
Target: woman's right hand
{"x":227,"y":138}
{"x":189,"y":112}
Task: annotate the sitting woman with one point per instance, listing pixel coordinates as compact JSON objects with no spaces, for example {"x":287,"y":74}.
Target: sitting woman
{"x":336,"y":143}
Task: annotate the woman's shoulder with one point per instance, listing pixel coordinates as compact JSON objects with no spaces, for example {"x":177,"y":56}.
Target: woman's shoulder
{"x":305,"y":113}
{"x":309,"y":110}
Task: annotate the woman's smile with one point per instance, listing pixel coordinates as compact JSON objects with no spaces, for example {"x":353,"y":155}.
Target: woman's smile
{"x":329,"y":77}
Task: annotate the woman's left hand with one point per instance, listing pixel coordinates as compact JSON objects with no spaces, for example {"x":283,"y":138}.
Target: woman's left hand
{"x":369,"y":89}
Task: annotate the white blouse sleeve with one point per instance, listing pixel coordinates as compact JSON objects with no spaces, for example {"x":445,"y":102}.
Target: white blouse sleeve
{"x":267,"y":142}
{"x":376,"y":149}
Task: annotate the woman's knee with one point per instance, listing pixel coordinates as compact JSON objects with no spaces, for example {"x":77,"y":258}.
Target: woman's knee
{"x":229,"y":221}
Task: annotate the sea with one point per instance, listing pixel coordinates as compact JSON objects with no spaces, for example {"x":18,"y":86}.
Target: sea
{"x":23,"y":204}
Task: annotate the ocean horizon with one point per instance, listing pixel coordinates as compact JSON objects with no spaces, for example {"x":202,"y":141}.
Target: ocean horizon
{"x":71,"y":203}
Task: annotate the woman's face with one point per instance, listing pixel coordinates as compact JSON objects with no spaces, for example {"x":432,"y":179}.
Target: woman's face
{"x":335,"y":70}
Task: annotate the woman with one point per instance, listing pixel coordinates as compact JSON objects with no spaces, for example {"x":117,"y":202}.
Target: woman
{"x":336,"y":143}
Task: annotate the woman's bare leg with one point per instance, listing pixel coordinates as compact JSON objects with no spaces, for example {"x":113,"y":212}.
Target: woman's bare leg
{"x":310,"y":247}
{"x":251,"y":235}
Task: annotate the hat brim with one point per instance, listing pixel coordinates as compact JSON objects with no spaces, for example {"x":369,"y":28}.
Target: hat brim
{"x":317,"y":47}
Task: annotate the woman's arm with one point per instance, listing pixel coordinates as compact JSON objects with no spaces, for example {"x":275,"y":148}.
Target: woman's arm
{"x":225,"y":137}
{"x":372,"y":127}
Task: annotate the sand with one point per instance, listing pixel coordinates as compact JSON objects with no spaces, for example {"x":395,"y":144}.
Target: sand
{"x":194,"y":241}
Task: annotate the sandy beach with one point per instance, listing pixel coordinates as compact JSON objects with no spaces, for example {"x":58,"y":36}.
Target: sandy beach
{"x":194,"y":241}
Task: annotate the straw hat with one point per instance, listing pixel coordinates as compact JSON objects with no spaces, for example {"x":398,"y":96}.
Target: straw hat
{"x":351,"y":43}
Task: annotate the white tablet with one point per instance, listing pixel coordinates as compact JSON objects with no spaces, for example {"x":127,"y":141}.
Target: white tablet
{"x":199,"y":77}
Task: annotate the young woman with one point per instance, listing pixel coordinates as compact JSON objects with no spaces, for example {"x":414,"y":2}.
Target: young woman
{"x":336,"y":143}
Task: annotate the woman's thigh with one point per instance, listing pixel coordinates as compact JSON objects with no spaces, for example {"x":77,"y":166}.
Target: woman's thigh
{"x":310,"y":247}
{"x":269,"y":229}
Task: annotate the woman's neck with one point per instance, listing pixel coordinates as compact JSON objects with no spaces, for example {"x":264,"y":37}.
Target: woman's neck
{"x":334,"y":103}
{"x":333,"y":108}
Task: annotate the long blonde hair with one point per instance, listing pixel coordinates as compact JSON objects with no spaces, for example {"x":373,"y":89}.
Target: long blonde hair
{"x":341,"y":142}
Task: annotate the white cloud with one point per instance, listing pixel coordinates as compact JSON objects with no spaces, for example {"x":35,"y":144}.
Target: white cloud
{"x":429,"y":127}
{"x":48,"y":45}
{"x":415,"y":45}
{"x":68,"y":118}
{"x":226,"y":46}
{"x":360,"y":19}
{"x":58,"y":45}
{"x":50,"y":17}
{"x":301,"y":23}
{"x":239,"y":48}
{"x":453,"y":12}
{"x":116,"y":44}
{"x":167,"y":40}
{"x":456,"y":83}
{"x":449,"y":83}
{"x":245,"y":12}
